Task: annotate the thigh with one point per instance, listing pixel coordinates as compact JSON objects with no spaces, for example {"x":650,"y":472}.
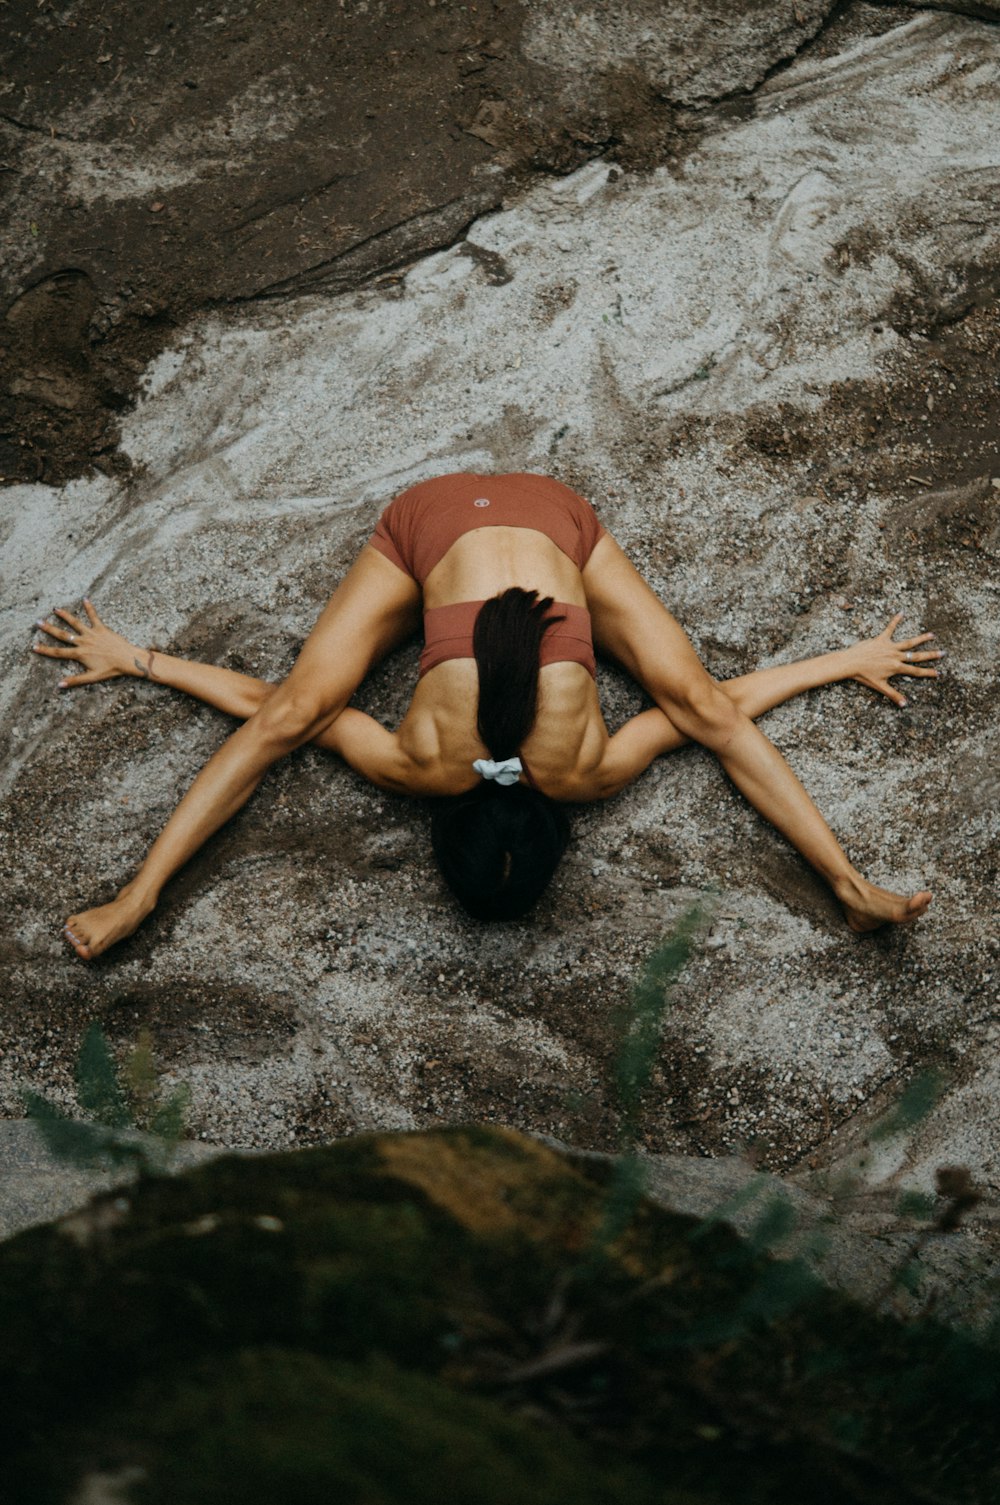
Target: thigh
{"x":632,"y":625}
{"x":373,"y":609}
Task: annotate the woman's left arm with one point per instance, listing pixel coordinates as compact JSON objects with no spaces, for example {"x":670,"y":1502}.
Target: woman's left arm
{"x":872,"y":662}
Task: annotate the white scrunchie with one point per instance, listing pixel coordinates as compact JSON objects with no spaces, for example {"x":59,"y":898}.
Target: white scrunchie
{"x":505,"y":772}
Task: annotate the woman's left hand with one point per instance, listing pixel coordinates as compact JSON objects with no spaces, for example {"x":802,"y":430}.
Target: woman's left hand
{"x":879,"y":658}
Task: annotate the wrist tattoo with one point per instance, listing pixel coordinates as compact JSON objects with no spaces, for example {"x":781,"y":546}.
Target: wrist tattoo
{"x":145,"y":670}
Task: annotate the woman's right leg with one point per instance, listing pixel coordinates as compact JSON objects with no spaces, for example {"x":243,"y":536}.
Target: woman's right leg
{"x":373,"y":607}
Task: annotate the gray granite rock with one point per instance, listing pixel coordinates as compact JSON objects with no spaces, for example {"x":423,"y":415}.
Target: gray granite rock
{"x":771,"y":365}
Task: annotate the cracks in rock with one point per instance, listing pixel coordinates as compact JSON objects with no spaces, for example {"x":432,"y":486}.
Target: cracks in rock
{"x":48,"y":131}
{"x":974,"y":11}
{"x":431,"y":230}
{"x":745,"y":93}
{"x":703,"y":373}
{"x":300,"y":198}
{"x":22,"y":125}
{"x":409,"y":240}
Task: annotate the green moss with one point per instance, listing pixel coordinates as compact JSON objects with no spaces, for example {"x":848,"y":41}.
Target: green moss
{"x":461,"y":1262}
{"x":273,"y":1425}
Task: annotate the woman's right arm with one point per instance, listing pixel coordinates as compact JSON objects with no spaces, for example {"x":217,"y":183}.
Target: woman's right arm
{"x":376,"y":606}
{"x":359,"y":739}
{"x":105,"y":654}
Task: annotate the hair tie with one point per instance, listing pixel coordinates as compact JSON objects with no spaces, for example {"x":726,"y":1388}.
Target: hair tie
{"x":505,"y":772}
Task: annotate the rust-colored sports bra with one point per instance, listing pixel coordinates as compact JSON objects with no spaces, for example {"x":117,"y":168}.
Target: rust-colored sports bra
{"x":448,"y":634}
{"x":420,"y":526}
{"x":417,"y":529}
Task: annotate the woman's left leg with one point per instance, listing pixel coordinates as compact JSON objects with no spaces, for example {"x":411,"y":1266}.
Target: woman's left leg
{"x":873,"y":662}
{"x":636,"y":628}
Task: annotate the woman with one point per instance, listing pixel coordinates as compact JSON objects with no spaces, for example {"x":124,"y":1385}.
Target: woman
{"x":505,"y":714}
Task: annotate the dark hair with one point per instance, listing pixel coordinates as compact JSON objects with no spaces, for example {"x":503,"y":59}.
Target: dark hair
{"x":506,"y":641}
{"x":499,"y":846}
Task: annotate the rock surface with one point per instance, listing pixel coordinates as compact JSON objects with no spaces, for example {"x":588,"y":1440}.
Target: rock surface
{"x":465,"y":1309}
{"x":770,"y":361}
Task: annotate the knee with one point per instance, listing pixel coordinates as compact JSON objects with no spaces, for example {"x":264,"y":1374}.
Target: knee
{"x":709,"y":715}
{"x":288,"y":716}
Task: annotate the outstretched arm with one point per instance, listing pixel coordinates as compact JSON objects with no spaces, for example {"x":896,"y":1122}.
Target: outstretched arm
{"x":871,"y":662}
{"x":638,"y":630}
{"x":360,"y":740}
{"x":105,"y":654}
{"x":375,"y":607}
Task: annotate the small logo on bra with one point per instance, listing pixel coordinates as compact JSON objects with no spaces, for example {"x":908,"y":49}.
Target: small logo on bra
{"x":481,"y":501}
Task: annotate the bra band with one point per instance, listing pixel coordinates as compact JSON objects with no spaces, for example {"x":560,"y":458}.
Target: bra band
{"x":448,"y":634}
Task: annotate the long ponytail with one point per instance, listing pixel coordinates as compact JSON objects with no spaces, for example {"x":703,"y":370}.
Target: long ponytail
{"x":498,"y":847}
{"x":506,"y":641}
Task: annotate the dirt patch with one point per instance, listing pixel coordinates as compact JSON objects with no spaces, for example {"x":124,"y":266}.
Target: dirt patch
{"x":155,"y":164}
{"x":929,"y":420}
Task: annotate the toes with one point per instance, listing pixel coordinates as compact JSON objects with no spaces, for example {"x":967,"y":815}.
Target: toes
{"x":76,"y":939}
{"x":916,"y":906}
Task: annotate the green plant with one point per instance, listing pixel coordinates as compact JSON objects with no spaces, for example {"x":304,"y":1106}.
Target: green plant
{"x":641,"y":1028}
{"x":126,"y":1122}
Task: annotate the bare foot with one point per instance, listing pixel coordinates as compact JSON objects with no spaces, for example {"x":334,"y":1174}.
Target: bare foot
{"x":867,"y":907}
{"x":96,"y":930}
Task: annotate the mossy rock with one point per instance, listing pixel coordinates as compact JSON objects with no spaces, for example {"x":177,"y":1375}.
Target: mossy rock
{"x":269,"y":1424}
{"x":465,"y":1312}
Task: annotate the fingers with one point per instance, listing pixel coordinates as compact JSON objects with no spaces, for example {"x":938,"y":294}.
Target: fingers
{"x":912,"y":663}
{"x":67,"y":616}
{"x":50,"y":652}
{"x":884,"y":688}
{"x":56,"y":632}
{"x":90,"y":678}
{"x":91,"y":611}
{"x":906,"y":643}
{"x":924,"y":637}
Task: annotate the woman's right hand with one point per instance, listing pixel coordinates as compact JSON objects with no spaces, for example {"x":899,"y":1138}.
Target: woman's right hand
{"x":104,"y":654}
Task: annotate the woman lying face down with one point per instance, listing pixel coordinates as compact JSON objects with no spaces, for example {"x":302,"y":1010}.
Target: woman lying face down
{"x":515,"y":581}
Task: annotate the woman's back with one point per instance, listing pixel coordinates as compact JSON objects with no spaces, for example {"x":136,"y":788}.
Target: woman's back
{"x":466,"y":539}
